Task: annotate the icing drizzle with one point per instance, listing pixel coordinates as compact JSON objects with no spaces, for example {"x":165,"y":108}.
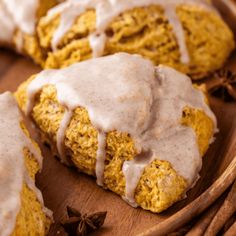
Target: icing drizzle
{"x":107,"y":10}
{"x":135,"y":97}
{"x":17,"y":14}
{"x":25,"y":15}
{"x":7,"y":24}
{"x":12,"y":168}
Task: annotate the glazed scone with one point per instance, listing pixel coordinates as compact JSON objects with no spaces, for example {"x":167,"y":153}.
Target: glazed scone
{"x":18,"y":21}
{"x":187,"y":35}
{"x":140,"y":130}
{"x":21,"y":204}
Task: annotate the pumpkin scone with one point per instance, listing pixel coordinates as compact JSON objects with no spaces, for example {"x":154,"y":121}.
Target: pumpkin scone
{"x":187,"y":35}
{"x":18,"y":20}
{"x":140,"y":130}
{"x":22,"y":211}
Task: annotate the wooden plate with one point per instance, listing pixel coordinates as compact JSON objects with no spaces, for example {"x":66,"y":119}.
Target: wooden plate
{"x":62,"y":186}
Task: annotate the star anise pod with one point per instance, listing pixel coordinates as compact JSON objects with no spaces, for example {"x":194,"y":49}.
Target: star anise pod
{"x":81,"y":225}
{"x":223,"y":85}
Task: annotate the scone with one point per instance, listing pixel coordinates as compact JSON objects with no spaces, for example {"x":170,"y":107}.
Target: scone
{"x":22,"y":211}
{"x":18,"y":21}
{"x":140,"y":130}
{"x":187,"y":35}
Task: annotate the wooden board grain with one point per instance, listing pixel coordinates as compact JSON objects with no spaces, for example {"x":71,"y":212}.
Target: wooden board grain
{"x":62,"y":186}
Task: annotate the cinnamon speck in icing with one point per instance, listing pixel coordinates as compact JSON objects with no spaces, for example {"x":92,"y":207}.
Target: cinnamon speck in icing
{"x":135,"y":97}
{"x":107,"y":10}
{"x":12,"y":169}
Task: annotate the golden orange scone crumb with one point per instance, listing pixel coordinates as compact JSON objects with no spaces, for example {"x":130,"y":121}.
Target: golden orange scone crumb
{"x":31,"y":220}
{"x":145,"y":31}
{"x":160,"y":185}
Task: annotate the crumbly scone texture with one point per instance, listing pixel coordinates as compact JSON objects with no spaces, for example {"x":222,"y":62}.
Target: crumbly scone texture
{"x":159,"y":187}
{"x":145,"y":31}
{"x":30,"y":47}
{"x":31,"y":220}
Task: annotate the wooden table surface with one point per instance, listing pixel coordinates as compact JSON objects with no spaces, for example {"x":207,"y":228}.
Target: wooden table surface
{"x":62,"y":186}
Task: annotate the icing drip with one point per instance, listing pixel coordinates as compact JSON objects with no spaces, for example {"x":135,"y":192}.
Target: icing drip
{"x":68,"y":18}
{"x":101,"y":156}
{"x":12,"y":170}
{"x":107,"y":10}
{"x":135,"y":97}
{"x":179,"y":33}
{"x":181,"y":144}
{"x":30,"y":183}
{"x":97,"y":43}
{"x":61,"y":136}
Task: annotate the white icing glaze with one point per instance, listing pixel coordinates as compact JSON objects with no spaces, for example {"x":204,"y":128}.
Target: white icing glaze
{"x":23,"y":13}
{"x":12,"y":169}
{"x":61,"y":136}
{"x":19,"y":41}
{"x":177,"y":145}
{"x":7,"y":25}
{"x":101,"y":156}
{"x":17,"y":14}
{"x":30,"y":183}
{"x":128,"y":93}
{"x":97,"y":43}
{"x":107,"y":10}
